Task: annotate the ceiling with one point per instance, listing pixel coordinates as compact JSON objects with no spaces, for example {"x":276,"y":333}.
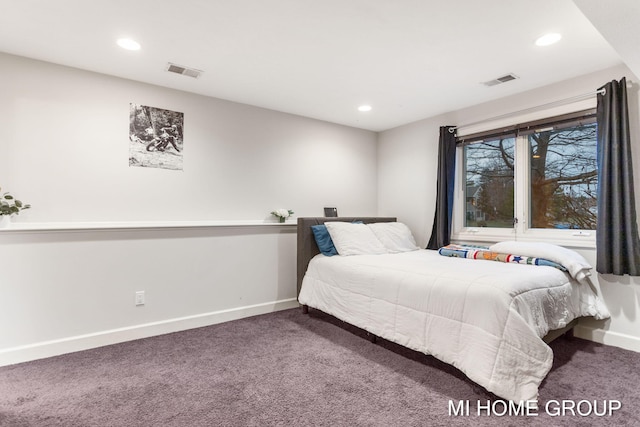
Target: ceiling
{"x":408,"y":59}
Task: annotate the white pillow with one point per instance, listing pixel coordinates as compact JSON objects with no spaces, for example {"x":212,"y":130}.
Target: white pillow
{"x":395,"y":236}
{"x":354,"y":239}
{"x":578,"y":267}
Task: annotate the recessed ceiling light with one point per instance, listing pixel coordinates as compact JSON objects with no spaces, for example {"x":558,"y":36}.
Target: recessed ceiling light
{"x":548,"y":39}
{"x":128,"y":44}
{"x":364,"y":108}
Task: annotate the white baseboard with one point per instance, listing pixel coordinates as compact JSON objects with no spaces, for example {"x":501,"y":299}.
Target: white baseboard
{"x":601,"y":336}
{"x":45,"y":349}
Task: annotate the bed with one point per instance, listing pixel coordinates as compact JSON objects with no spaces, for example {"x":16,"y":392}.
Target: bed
{"x":488,"y":319}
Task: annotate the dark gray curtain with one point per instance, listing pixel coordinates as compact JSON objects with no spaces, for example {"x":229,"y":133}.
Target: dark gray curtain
{"x":617,"y":242}
{"x":441,"y":231}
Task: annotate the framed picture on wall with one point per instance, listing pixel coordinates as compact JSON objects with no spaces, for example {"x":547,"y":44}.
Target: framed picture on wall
{"x":331,"y":212}
{"x":155,"y":137}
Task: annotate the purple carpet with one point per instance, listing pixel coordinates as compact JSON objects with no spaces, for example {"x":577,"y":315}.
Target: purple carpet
{"x":288,"y":368}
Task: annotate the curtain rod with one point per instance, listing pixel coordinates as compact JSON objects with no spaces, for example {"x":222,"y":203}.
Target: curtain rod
{"x":533,"y":109}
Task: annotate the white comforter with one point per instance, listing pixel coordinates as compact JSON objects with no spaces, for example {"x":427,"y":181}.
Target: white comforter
{"x":484,"y":317}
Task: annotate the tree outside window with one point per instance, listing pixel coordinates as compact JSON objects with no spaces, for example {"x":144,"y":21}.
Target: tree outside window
{"x":562,"y":180}
{"x":490,"y":191}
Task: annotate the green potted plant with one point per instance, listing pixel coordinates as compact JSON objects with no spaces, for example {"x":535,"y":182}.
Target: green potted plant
{"x":9,"y":205}
{"x":282,"y":214}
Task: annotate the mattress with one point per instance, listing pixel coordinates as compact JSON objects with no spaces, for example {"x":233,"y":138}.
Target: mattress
{"x":483,"y":317}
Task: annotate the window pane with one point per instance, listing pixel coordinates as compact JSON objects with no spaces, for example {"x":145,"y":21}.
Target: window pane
{"x":563,"y":178}
{"x":489,"y":189}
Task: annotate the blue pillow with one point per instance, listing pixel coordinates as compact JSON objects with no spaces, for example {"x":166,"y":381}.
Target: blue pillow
{"x":323,"y":240}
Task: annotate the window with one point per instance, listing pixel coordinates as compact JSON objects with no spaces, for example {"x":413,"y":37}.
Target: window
{"x":489,"y":189}
{"x":536,"y":181}
{"x":563,"y":178}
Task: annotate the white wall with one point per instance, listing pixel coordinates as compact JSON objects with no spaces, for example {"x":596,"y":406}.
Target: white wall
{"x":407,"y":167}
{"x":64,"y":149}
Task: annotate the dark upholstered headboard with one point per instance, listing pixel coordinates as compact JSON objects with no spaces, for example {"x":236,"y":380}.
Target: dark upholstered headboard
{"x":307,"y":247}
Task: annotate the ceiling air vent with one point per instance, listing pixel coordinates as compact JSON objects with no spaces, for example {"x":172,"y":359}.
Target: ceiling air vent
{"x":500,"y":80}
{"x":185,"y":71}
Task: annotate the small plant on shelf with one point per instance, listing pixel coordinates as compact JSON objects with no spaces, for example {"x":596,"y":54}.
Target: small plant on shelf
{"x":9,"y":205}
{"x":282,"y":214}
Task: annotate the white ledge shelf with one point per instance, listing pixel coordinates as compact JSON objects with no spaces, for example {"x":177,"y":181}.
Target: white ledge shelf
{"x":138,"y":225}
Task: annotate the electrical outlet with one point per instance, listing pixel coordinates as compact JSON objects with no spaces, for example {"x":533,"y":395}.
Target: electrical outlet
{"x":140,"y":298}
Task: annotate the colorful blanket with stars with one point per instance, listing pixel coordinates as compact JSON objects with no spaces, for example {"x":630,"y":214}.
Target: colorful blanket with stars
{"x":483,"y":253}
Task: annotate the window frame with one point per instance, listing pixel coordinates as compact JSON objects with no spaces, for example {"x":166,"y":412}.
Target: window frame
{"x":522,"y":172}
